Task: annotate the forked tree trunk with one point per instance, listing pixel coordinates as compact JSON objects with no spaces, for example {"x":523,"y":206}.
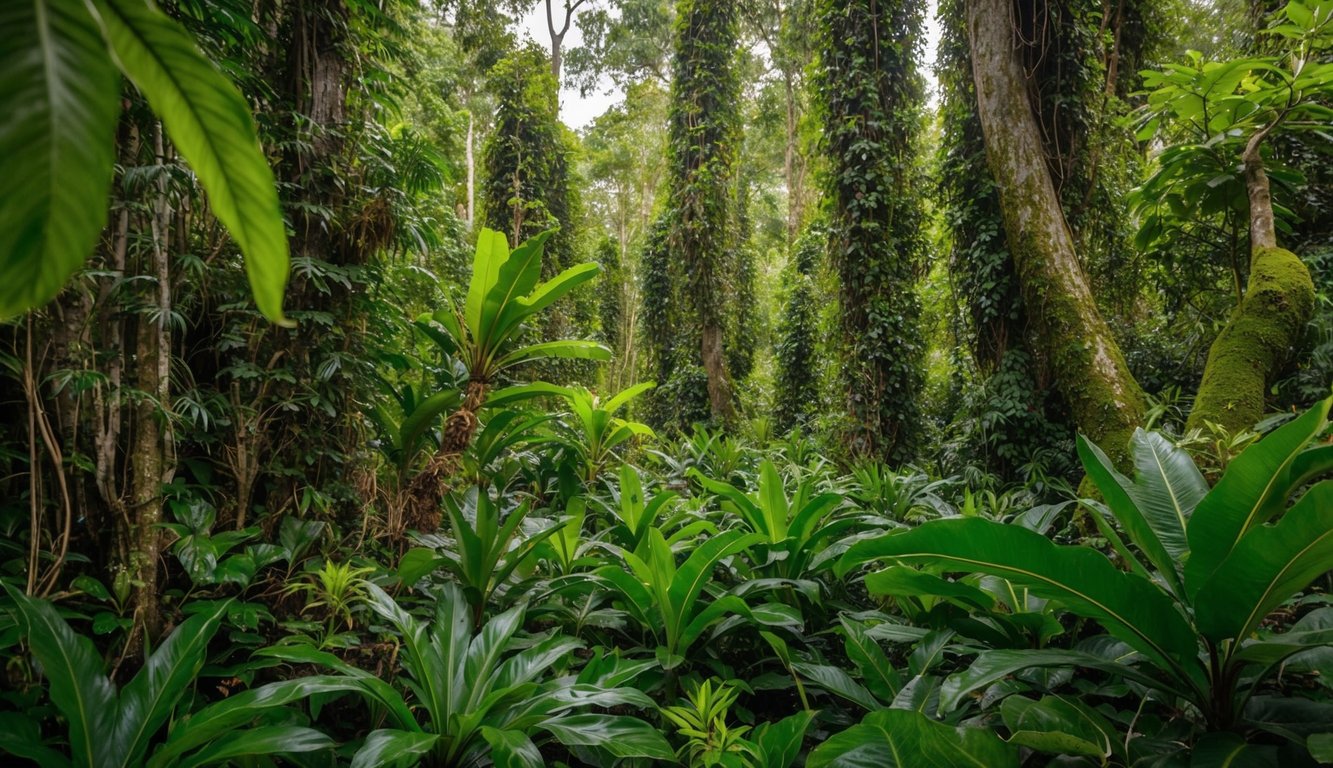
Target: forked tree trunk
{"x":1090,"y":370}
{"x":1267,"y":324}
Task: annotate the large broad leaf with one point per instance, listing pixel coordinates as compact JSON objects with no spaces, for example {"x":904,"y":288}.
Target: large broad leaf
{"x":549,"y":292}
{"x":992,"y":666}
{"x":575,"y":349}
{"x":422,"y":418}
{"x":511,"y":749}
{"x":209,"y":122}
{"x":620,"y":735}
{"x":148,"y":700}
{"x":265,"y":740}
{"x":689,"y":580}
{"x":1269,"y":565}
{"x":388,"y":747}
{"x":517,"y":277}
{"x":491,"y":254}
{"x":1058,"y":725}
{"x":1253,"y":489}
{"x":21,"y":736}
{"x":59,"y":97}
{"x":895,"y":738}
{"x":779,"y":743}
{"x":77,"y":686}
{"x":1082,"y":580}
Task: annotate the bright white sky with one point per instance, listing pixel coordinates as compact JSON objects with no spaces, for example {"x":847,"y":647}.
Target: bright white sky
{"x":578,"y":112}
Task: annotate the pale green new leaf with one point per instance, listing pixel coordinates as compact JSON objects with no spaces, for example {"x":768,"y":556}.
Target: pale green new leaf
{"x":209,"y":123}
{"x":59,"y":97}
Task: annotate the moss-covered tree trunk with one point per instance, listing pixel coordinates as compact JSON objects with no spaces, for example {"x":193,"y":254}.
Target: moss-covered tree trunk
{"x":1267,"y":324}
{"x":1089,"y":368}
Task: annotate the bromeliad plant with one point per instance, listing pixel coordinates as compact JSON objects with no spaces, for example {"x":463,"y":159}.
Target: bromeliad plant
{"x":794,"y":529}
{"x":1207,"y":567}
{"x":483,"y":335}
{"x":487,"y":695}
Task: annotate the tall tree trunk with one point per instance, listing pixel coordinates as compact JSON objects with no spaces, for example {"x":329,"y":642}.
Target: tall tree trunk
{"x":471,"y":173}
{"x":1267,"y":324}
{"x":1090,"y":370}
{"x":153,"y":457}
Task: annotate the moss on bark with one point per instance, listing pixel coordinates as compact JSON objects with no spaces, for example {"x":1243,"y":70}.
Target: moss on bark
{"x":1256,"y":342}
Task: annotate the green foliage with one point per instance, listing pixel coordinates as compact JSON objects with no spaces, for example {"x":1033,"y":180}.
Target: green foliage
{"x":797,"y":396}
{"x":1205,"y":569}
{"x":612,"y":294}
{"x":60,"y":67}
{"x":110,"y":727}
{"x":871,"y":99}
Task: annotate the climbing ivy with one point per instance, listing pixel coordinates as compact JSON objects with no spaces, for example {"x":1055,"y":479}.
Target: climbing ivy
{"x":871,"y":96}
{"x":797,"y":394}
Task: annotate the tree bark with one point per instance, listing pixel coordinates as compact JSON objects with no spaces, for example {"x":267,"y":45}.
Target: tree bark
{"x":1265,"y":326}
{"x":1090,"y":370}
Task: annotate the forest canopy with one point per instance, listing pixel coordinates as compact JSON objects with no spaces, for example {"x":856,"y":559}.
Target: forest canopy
{"x":824,"y":383}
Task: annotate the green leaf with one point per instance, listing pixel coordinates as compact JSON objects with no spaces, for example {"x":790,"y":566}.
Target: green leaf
{"x":149,"y":699}
{"x":265,"y":740}
{"x":492,"y":252}
{"x":209,"y":122}
{"x":877,"y":673}
{"x":1253,"y":488}
{"x":835,"y":680}
{"x":992,"y":666}
{"x":520,"y":392}
{"x":1321,"y":747}
{"x":76,"y":683}
{"x":416,"y":563}
{"x":60,"y":95}
{"x":896,"y":738}
{"x":517,"y":276}
{"x":21,"y":736}
{"x":424,"y":416}
{"x":620,"y":735}
{"x":388,"y":747}
{"x":779,"y":743}
{"x":567,"y":349}
{"x":904,"y":581}
{"x":1083,"y":580}
{"x":1269,"y":565}
{"x":1228,"y":750}
{"x":1059,"y":726}
{"x":511,"y":749}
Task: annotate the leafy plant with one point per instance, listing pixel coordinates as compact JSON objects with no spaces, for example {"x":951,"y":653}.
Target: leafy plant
{"x":336,"y":588}
{"x":702,"y":720}
{"x":486,"y":694}
{"x":1206,"y":569}
{"x":61,"y":62}
{"x":109,"y":727}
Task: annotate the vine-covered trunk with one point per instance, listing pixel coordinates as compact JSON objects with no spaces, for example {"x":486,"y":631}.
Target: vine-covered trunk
{"x":1264,"y":328}
{"x":715,"y":365}
{"x":1090,"y":370}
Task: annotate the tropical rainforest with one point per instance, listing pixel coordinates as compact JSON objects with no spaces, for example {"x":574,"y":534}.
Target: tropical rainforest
{"x":736,"y":383}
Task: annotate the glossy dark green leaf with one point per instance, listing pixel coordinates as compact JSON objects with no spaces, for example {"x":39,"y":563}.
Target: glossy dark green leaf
{"x":386,"y":747}
{"x":264,"y":740}
{"x":59,"y":98}
{"x":895,"y":738}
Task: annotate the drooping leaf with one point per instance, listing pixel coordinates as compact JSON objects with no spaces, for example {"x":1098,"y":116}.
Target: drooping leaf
{"x":76,"y":683}
{"x":620,"y":735}
{"x":387,"y":747}
{"x":1082,"y":579}
{"x":264,"y":740}
{"x":895,"y":738}
{"x":209,"y":122}
{"x":59,"y":97}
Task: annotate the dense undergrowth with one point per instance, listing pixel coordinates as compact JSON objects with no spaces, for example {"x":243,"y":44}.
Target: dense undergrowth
{"x":595,"y":595}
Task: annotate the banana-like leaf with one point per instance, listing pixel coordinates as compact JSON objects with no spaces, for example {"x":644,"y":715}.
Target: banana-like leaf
{"x":1269,"y":565}
{"x":622,"y":398}
{"x":517,"y":277}
{"x":836,"y":681}
{"x":386,"y":747}
{"x":904,"y":581}
{"x":565,"y":349}
{"x":59,"y":95}
{"x":992,"y":666}
{"x":77,"y":685}
{"x":896,"y":738}
{"x":687,"y":583}
{"x":149,"y":699}
{"x":1083,"y":580}
{"x":520,"y":392}
{"x":491,"y":253}
{"x":779,"y":743}
{"x":1058,"y":725}
{"x":877,"y":673}
{"x":1252,"y":490}
{"x":548,"y":293}
{"x":209,"y":122}
{"x":265,"y":740}
{"x":620,"y":735}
